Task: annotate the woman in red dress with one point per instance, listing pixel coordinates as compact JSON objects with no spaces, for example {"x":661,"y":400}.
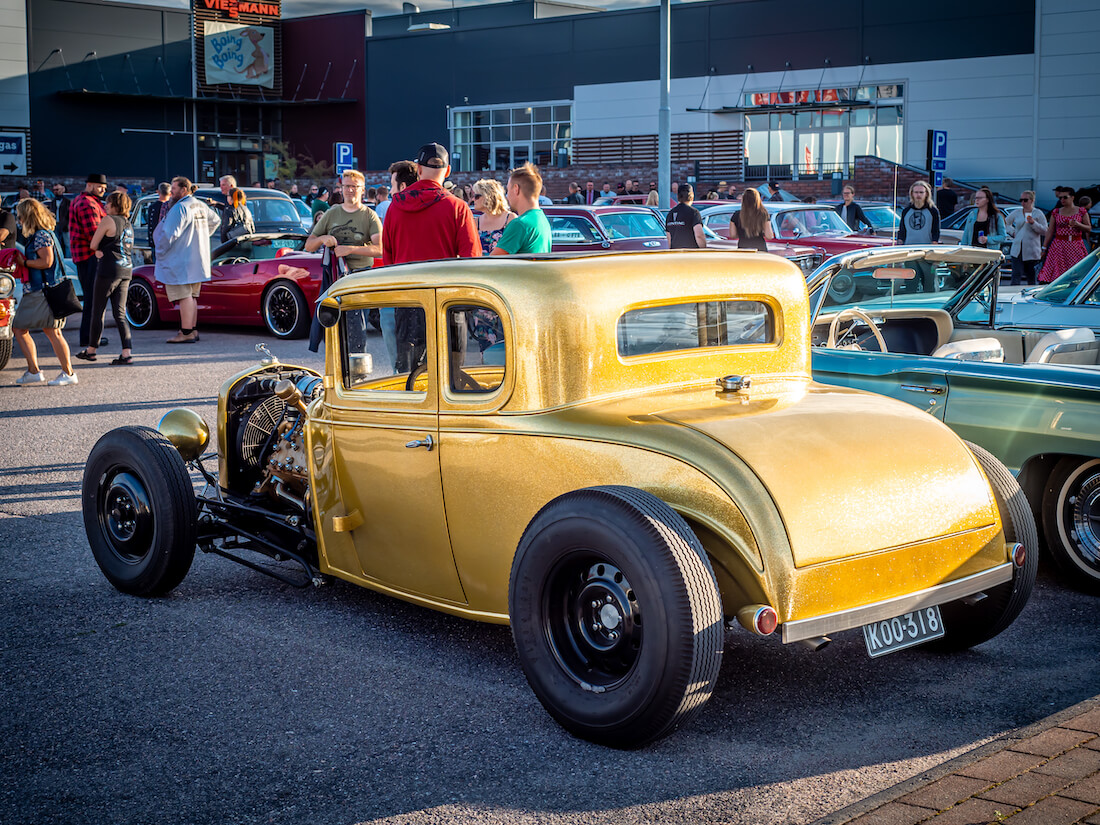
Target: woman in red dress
{"x":1065,"y":236}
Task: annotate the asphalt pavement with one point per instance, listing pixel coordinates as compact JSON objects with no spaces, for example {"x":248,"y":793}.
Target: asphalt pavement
{"x":237,"y":699}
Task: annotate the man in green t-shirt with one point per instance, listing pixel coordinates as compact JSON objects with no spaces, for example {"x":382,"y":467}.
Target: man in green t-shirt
{"x":530,"y":232}
{"x":353,"y":230}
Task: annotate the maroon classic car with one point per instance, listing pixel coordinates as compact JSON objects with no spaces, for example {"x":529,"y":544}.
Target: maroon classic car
{"x":804,"y":223}
{"x":256,"y":280}
{"x":616,"y":228}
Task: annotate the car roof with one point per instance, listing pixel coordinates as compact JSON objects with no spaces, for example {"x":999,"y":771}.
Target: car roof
{"x":544,"y":295}
{"x":609,"y":209}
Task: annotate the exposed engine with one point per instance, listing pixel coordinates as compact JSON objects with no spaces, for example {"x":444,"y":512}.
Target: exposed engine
{"x":265,"y":428}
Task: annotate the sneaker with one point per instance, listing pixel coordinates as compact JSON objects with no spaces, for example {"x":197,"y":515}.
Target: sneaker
{"x":31,"y":378}
{"x":63,"y":379}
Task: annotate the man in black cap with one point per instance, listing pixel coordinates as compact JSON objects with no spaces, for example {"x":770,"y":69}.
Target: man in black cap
{"x":85,"y":213}
{"x":774,"y":191}
{"x":425,"y":222}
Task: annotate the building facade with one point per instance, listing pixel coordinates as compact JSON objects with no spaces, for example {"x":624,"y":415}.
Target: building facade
{"x":761,"y":89}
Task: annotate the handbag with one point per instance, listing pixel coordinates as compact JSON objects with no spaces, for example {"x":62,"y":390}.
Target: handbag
{"x":60,"y":295}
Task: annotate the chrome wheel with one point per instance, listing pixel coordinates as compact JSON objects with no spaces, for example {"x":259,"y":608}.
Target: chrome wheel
{"x":141,"y":305}
{"x":284,"y":311}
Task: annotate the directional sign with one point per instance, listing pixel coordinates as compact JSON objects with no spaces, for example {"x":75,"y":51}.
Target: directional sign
{"x":937,"y":179}
{"x":344,"y":157}
{"x":13,"y":153}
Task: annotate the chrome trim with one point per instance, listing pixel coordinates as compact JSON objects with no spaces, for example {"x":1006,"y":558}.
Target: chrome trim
{"x":919,"y":388}
{"x":868,"y":613}
{"x":1063,"y":348}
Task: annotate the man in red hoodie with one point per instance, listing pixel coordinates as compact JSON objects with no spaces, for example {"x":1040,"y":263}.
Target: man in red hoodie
{"x":425,"y":222}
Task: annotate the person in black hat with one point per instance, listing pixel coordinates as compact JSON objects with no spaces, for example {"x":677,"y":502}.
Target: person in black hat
{"x":774,"y":191}
{"x":85,"y":214}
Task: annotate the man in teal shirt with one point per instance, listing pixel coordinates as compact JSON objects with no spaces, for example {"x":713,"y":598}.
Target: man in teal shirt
{"x":530,"y":232}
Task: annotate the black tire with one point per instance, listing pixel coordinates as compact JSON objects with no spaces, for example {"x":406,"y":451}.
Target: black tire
{"x":966,"y":625}
{"x":1071,"y":520}
{"x":285,"y":311}
{"x":590,"y":567}
{"x":139,"y":511}
{"x":141,"y":305}
{"x":5,"y":351}
{"x":842,"y":288}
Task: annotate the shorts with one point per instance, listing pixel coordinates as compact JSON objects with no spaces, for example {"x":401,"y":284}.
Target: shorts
{"x":34,"y":313}
{"x":177,"y":292}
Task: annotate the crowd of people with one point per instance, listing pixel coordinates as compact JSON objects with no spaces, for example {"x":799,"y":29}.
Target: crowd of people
{"x":423,"y":215}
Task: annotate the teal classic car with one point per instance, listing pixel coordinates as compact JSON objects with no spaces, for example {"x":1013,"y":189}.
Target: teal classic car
{"x":938,"y":337}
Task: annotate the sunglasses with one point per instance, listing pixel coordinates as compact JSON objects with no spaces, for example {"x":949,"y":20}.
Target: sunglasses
{"x":1025,"y":200}
{"x":476,"y":196}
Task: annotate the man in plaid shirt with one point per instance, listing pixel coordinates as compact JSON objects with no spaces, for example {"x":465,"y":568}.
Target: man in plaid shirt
{"x":85,"y":213}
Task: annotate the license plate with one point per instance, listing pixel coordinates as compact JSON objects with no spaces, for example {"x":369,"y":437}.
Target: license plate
{"x":901,"y":632}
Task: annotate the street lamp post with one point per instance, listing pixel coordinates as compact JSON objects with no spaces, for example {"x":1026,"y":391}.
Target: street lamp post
{"x":664,"y":115}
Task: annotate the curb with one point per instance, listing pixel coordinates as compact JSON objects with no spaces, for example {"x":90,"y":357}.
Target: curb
{"x":1001,"y":743}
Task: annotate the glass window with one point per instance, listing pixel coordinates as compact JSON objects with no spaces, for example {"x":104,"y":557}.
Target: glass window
{"x":384,"y":348}
{"x":461,"y":118}
{"x":521,"y":115}
{"x":544,"y":132}
{"x":502,"y":133}
{"x":477,"y":349}
{"x":502,"y":116}
{"x":521,"y":133}
{"x":632,"y":225}
{"x":695,"y":325}
{"x":563,"y":113}
{"x":570,"y":230}
{"x":542,"y":114}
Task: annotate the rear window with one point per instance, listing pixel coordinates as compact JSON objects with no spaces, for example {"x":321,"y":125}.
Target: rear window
{"x":694,"y":326}
{"x":272,"y":210}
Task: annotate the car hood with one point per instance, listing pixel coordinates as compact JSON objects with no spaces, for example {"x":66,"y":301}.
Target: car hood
{"x":836,"y":244}
{"x":815,"y":451}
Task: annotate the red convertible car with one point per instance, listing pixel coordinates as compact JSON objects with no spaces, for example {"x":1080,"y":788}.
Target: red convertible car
{"x":256,"y":280}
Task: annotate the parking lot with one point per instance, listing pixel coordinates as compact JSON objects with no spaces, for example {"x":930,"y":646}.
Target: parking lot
{"x":237,"y":699}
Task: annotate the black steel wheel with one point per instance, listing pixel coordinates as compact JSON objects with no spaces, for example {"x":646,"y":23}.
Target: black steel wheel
{"x":968,"y":624}
{"x":1071,"y":520}
{"x":139,"y":511}
{"x":141,"y":305}
{"x":285,"y":312}
{"x":616,"y":615}
{"x":5,"y":351}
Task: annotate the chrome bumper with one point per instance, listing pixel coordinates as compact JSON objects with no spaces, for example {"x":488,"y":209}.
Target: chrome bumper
{"x":868,"y":613}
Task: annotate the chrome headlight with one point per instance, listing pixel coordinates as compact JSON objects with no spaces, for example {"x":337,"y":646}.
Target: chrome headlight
{"x":7,"y":285}
{"x":805,"y":263}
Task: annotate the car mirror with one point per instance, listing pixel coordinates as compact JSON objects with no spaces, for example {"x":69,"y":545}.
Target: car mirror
{"x":328,"y":315}
{"x":894,"y":273}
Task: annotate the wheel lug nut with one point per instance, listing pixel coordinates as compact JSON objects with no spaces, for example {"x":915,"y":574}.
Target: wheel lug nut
{"x":595,"y":604}
{"x":597,"y":626}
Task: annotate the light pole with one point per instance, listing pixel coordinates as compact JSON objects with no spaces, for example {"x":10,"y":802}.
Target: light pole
{"x":664,"y":114}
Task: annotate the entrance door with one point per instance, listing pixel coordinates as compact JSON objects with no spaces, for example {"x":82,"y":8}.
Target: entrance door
{"x":507,"y":156}
{"x":820,"y":152}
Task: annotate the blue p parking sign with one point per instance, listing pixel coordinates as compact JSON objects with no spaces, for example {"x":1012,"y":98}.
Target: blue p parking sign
{"x":344,"y":157}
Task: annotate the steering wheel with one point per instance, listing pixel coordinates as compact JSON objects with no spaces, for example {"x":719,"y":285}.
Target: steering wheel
{"x":854,"y":313}
{"x":465,"y":382}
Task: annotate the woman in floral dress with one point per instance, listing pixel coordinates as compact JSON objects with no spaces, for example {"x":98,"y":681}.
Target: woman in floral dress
{"x":1065,"y":236}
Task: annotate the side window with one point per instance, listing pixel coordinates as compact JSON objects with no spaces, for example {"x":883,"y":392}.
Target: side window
{"x":384,"y":348}
{"x":477,"y":348}
{"x":977,"y":310}
{"x":566,"y":230}
{"x":694,"y":326}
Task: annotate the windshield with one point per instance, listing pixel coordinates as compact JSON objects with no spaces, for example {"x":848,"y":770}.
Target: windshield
{"x":915,"y":283}
{"x":881,"y":217}
{"x":1059,"y":291}
{"x":631,"y":225}
{"x":803,"y":223}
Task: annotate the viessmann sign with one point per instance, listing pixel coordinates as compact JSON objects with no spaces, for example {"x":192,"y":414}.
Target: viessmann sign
{"x":235,"y":8}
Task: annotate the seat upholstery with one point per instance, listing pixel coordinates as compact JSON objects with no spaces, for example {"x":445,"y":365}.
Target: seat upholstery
{"x":972,"y":349}
{"x":1065,"y":346}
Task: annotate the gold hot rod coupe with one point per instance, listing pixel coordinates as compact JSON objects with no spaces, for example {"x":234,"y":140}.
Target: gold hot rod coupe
{"x":618,"y":455}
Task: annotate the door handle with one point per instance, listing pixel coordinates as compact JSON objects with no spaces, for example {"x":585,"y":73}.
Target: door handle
{"x":426,"y":441}
{"x":920,"y":388}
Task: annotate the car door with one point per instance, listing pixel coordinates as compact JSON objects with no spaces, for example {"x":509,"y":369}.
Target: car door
{"x":384,"y":430}
{"x":917,"y":380}
{"x":221,"y":294}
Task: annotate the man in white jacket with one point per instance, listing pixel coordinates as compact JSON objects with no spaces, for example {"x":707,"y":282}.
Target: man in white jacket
{"x":182,"y":243}
{"x":1026,"y":227}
